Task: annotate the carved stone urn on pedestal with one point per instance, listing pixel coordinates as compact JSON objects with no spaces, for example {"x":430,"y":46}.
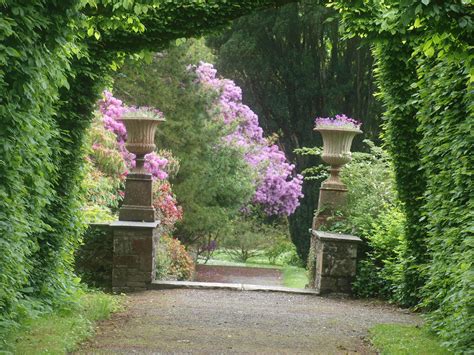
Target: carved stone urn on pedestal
{"x":138,"y":202}
{"x":337,"y":143}
{"x":332,"y":258}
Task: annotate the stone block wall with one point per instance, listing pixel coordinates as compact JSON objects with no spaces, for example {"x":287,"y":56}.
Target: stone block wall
{"x":134,"y":265}
{"x":93,"y":259}
{"x":336,"y":260}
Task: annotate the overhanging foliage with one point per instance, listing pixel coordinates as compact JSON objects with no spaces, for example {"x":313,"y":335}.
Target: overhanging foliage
{"x":55,"y":58}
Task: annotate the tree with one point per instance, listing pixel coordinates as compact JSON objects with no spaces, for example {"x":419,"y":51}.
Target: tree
{"x":293,"y":66}
{"x":214,"y":182}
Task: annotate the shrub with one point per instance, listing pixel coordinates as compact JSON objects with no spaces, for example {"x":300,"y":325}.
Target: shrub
{"x":93,"y":259}
{"x":283,"y":252}
{"x":380,"y":271}
{"x":376,"y":216}
{"x":173,"y":261}
{"x":249,"y":235}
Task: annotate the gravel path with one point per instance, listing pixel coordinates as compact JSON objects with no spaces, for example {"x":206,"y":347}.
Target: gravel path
{"x":216,"y":321}
{"x":237,"y":274}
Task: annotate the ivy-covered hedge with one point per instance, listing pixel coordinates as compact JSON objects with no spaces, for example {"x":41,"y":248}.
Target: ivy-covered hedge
{"x":446,"y":118}
{"x":55,"y":57}
{"x":33,"y":65}
{"x":424,"y":71}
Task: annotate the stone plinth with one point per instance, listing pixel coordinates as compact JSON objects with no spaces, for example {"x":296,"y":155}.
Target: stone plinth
{"x":134,"y":255}
{"x":336,"y":257}
{"x":138,"y":202}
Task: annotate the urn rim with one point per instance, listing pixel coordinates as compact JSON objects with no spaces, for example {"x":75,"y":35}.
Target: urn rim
{"x":141,"y":118}
{"x":338,"y":129}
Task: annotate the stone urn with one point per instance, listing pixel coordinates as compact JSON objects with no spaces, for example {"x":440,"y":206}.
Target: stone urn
{"x":138,"y":202}
{"x":337,"y":143}
{"x":140,"y":138}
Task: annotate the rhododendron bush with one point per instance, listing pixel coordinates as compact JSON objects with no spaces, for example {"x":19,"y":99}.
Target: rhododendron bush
{"x":278,"y":187}
{"x":108,"y":162}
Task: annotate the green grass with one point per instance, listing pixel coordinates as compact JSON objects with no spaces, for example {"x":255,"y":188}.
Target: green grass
{"x":405,"y":339}
{"x":61,"y":331}
{"x":295,"y":277}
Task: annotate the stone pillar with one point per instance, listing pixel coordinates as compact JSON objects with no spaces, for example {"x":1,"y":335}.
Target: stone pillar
{"x":138,"y":202}
{"x":336,"y":258}
{"x":134,"y":265}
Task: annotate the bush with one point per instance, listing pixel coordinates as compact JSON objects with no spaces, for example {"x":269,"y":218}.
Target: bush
{"x":283,"y":252}
{"x":94,"y":257}
{"x":249,"y":235}
{"x":173,"y":261}
{"x":375,"y":215}
{"x":380,"y":272}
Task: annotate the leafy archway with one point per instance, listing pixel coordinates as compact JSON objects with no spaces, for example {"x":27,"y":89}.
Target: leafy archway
{"x":55,"y":58}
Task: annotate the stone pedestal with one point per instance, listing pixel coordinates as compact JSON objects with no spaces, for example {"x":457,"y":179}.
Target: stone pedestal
{"x":138,"y":202}
{"x":331,"y":201}
{"x":336,"y":258}
{"x":134,"y":255}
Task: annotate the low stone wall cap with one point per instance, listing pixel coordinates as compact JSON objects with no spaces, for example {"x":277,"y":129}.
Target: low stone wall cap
{"x":126,"y":224}
{"x":336,"y":236}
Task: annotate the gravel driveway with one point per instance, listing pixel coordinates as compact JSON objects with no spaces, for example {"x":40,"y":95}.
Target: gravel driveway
{"x":217,"y":321}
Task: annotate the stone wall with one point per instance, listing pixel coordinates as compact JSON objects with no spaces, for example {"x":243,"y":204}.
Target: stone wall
{"x":134,"y":265}
{"x":93,"y":259}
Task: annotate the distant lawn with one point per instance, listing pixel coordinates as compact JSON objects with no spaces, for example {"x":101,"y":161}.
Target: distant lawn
{"x":405,"y":339}
{"x":293,"y":276}
{"x":60,"y":332}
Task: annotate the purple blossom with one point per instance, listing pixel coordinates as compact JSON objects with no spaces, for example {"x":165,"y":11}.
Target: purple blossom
{"x":278,"y":189}
{"x":112,"y":109}
{"x":341,"y":121}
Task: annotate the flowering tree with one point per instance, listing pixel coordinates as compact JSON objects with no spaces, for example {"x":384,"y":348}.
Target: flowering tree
{"x":278,"y":188}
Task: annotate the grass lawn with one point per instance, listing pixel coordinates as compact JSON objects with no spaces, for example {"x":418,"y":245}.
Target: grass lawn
{"x":61,"y":331}
{"x":293,"y":276}
{"x":405,"y":339}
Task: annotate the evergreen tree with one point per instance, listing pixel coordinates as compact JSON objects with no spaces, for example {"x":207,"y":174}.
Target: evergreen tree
{"x":213,"y":181}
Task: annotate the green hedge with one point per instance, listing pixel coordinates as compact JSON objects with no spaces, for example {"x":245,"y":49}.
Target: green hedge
{"x":425,"y":75}
{"x":94,"y":258}
{"x":33,"y":65}
{"x":55,"y":57}
{"x":446,"y":118}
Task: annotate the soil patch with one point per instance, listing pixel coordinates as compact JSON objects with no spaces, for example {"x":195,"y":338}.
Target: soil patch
{"x":236,"y":274}
{"x":216,"y":321}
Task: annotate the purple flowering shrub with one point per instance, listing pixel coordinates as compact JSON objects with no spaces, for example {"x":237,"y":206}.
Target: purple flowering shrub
{"x":108,"y":162}
{"x":112,"y":109}
{"x":278,"y":187}
{"x":340,"y":121}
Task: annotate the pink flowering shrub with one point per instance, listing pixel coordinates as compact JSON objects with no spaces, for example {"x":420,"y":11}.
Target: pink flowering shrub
{"x":278,"y":187}
{"x":167,"y":209}
{"x":112,"y":110}
{"x":108,"y":163}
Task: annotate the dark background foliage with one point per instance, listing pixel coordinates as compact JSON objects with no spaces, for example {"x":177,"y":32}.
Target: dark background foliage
{"x":293,"y":65}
